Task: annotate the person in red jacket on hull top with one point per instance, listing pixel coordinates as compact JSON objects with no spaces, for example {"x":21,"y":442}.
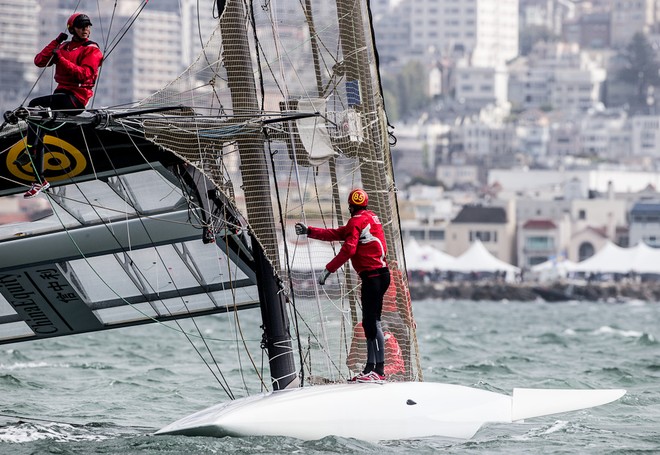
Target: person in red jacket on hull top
{"x":77,"y":65}
{"x":364,"y":244}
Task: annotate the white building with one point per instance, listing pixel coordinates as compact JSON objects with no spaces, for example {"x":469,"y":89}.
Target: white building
{"x":480,"y":86}
{"x":577,"y":89}
{"x":486,"y":30}
{"x":18,"y":41}
{"x":645,"y":135}
{"x":645,"y":223}
{"x":451,"y":175}
{"x":483,"y":137}
{"x":537,"y":183}
{"x":600,"y":135}
{"x":558,"y":76}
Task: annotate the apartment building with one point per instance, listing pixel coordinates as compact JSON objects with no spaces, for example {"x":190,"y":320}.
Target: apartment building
{"x":645,"y":223}
{"x":484,"y":30}
{"x":18,"y":42}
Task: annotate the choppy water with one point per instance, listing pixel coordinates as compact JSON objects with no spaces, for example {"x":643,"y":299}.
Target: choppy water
{"x":106,"y":393}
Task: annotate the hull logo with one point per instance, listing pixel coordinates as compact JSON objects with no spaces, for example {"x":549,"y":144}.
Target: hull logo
{"x":61,"y":160}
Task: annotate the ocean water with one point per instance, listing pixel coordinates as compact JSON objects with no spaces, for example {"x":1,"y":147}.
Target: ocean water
{"x":106,"y":393}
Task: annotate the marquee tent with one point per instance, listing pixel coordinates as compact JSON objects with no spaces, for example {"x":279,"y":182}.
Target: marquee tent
{"x":426,"y":258}
{"x":553,"y":269}
{"x":645,"y":259}
{"x":614,"y":259}
{"x":478,"y":259}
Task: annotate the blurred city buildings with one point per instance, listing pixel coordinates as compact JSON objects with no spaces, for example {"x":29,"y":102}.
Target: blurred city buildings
{"x":535,"y":139}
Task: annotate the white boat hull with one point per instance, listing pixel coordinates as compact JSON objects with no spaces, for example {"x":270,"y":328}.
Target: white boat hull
{"x":377,"y":412}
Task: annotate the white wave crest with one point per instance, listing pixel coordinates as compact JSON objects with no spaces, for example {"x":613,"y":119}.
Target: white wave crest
{"x":27,"y":432}
{"x":624,"y":333}
{"x":29,"y":365}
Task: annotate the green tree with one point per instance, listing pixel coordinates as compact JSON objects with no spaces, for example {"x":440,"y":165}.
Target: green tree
{"x":405,"y":91}
{"x":641,"y":67}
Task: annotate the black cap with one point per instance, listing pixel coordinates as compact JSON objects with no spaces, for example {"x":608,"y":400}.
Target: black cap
{"x":81,"y":21}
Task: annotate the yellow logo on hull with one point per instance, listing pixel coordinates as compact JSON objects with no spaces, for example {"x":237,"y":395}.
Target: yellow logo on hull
{"x":61,"y":160}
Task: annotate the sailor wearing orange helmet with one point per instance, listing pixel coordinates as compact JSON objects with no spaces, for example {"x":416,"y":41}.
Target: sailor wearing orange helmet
{"x":364,"y":244}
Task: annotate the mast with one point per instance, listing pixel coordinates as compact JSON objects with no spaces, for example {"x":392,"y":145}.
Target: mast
{"x":256,"y":186}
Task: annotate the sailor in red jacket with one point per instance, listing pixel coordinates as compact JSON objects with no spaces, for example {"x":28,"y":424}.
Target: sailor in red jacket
{"x":77,"y":65}
{"x":364,"y":244}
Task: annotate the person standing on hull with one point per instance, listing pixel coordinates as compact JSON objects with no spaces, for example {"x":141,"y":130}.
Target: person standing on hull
{"x":77,"y":65}
{"x":364,"y":244}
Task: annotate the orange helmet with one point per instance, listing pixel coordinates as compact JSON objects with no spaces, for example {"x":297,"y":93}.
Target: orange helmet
{"x":358,"y":197}
{"x":77,"y":20}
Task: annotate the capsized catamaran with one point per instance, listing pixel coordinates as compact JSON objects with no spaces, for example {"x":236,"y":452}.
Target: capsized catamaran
{"x":183,"y":206}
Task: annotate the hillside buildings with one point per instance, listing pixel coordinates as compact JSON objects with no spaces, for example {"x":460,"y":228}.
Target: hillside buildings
{"x":533,"y":139}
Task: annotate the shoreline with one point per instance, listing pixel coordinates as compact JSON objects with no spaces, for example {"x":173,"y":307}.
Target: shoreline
{"x":529,"y":292}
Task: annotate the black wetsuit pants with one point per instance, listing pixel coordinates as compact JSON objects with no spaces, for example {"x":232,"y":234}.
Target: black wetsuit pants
{"x":374,"y":285}
{"x":61,"y":101}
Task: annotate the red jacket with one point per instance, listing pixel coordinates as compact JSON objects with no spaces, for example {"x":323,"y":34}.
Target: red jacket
{"x":76,"y":67}
{"x":364,"y":242}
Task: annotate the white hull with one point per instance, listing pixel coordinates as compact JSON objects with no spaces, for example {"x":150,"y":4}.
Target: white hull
{"x":377,"y":412}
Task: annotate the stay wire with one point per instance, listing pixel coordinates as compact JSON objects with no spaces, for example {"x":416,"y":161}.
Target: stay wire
{"x":192,"y":318}
{"x":286,"y":254}
{"x":226,"y":389}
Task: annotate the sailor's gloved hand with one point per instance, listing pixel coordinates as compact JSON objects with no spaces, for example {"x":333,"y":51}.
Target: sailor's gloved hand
{"x":324,"y":276}
{"x":62,"y":37}
{"x":301,"y":229}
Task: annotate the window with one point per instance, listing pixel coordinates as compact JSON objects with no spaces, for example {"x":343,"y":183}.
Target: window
{"x":585,"y":251}
{"x":417,"y":234}
{"x":436,"y":235}
{"x":484,"y":236}
{"x":537,"y":242}
{"x":582,"y":214}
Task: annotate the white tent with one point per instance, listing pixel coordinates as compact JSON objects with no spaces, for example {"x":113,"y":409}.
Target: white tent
{"x":562,"y":264}
{"x":645,"y":259}
{"x":614,"y":259}
{"x":426,"y":257}
{"x":553,"y":268}
{"x":609,"y":259}
{"x":478,"y":259}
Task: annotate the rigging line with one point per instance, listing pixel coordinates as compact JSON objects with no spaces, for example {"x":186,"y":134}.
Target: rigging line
{"x":29,"y":93}
{"x":199,"y":34}
{"x":256,"y":40}
{"x":309,"y":253}
{"x":314,"y":336}
{"x":105,"y":40}
{"x":227,"y":391}
{"x":286,"y":249}
{"x":125,"y":28}
{"x":259,"y":373}
{"x":233,"y":291}
{"x":183,"y":301}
